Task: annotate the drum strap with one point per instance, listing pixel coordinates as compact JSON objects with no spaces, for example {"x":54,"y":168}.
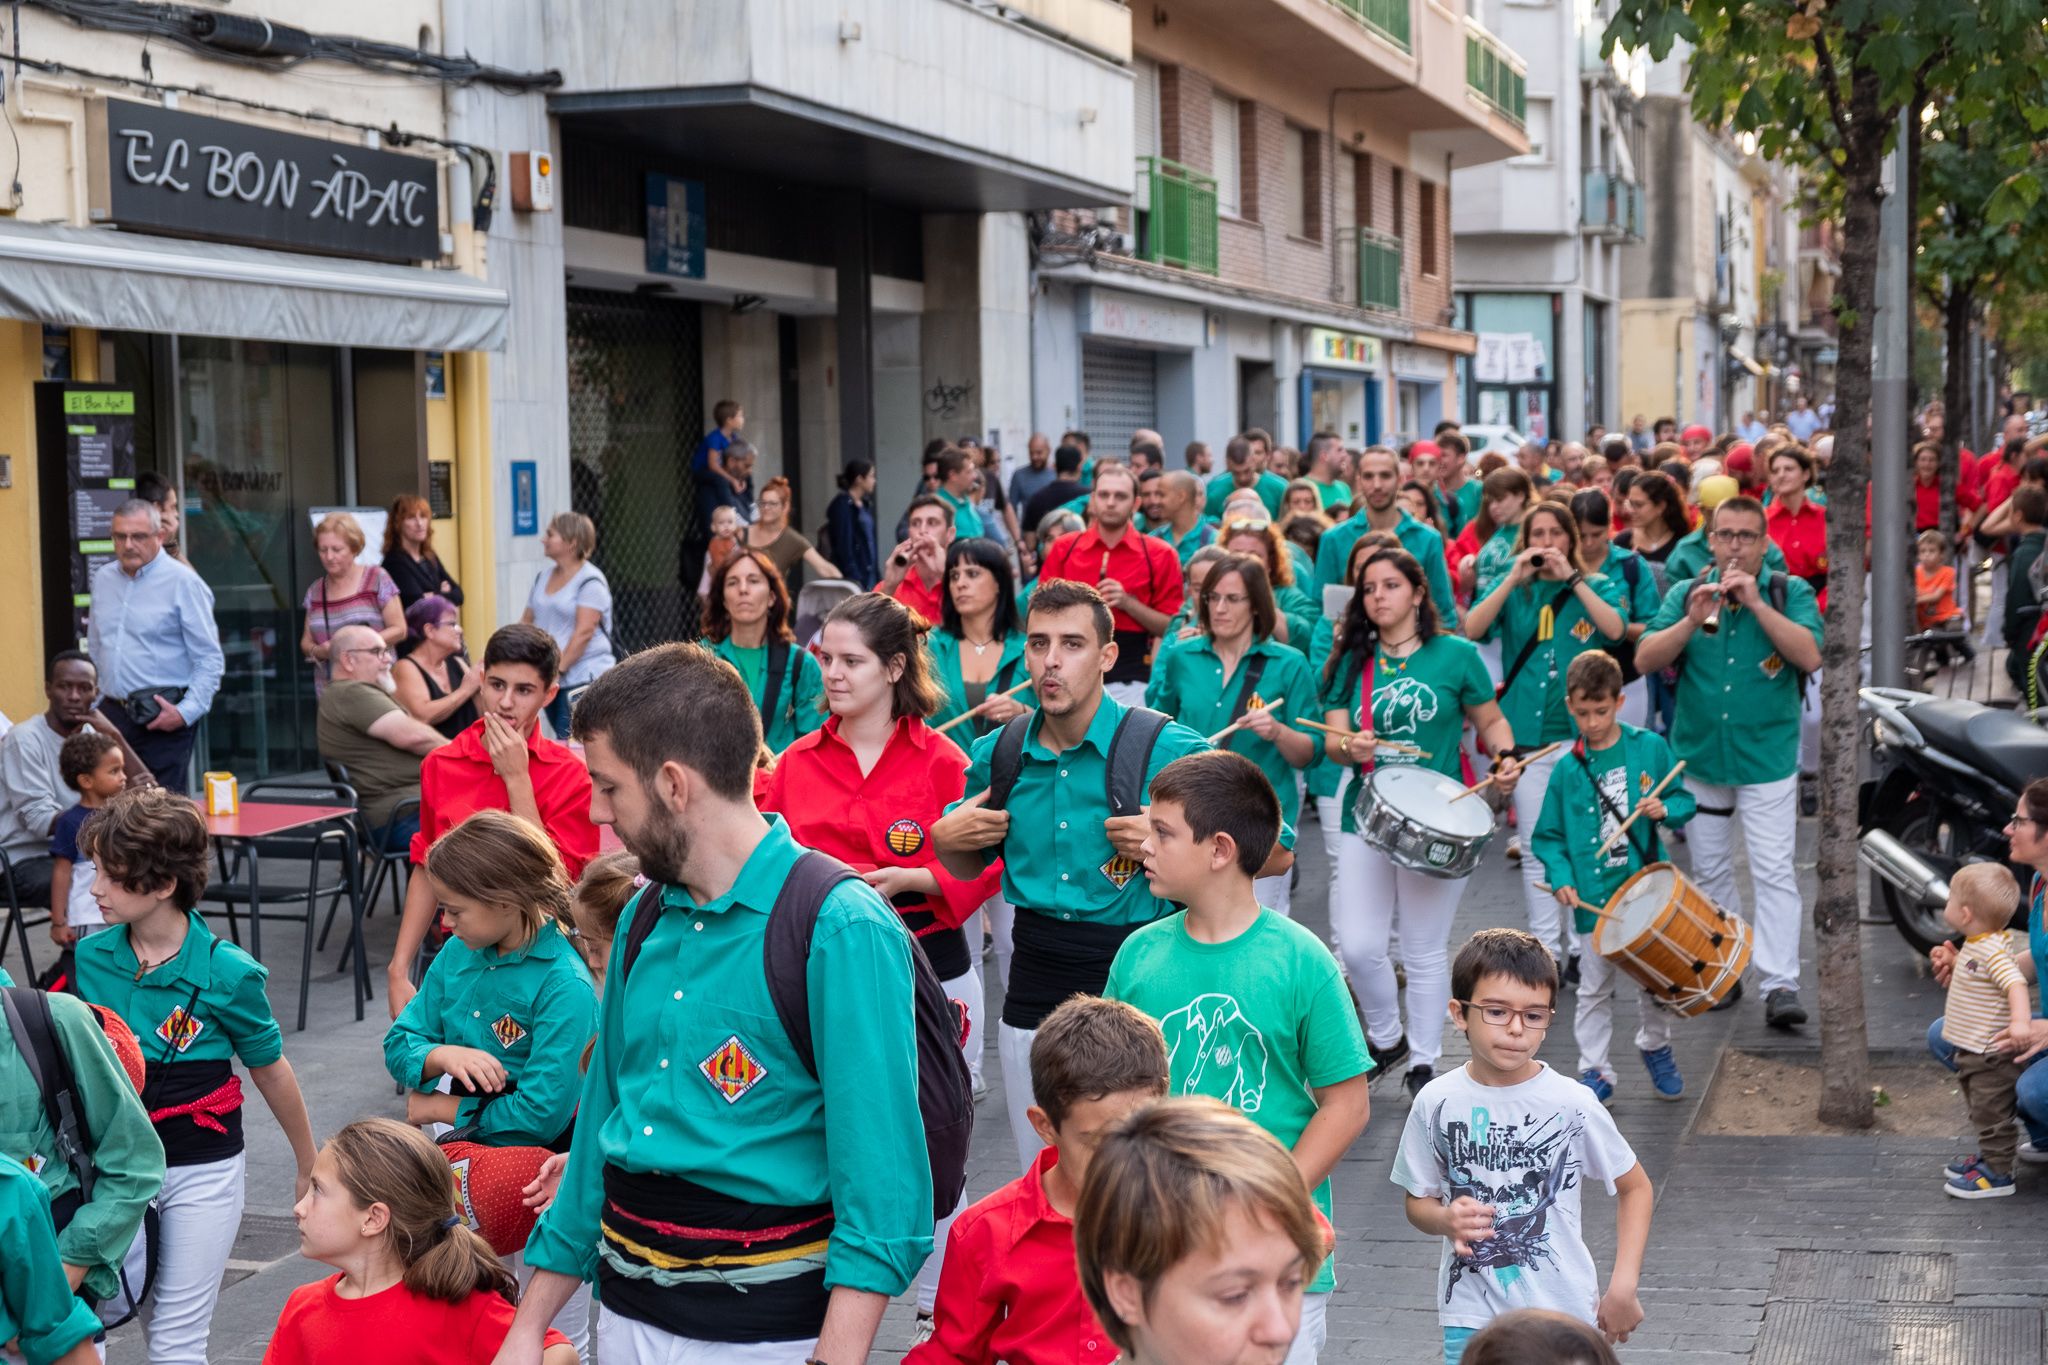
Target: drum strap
{"x":1529,"y":646}
{"x":1655,"y":853}
{"x":1365,"y":695}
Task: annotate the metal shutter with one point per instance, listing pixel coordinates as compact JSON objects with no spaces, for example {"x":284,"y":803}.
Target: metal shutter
{"x":1119,"y":393}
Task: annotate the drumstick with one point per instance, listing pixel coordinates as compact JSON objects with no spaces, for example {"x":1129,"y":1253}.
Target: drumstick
{"x":1227,"y":731}
{"x":971,"y":714}
{"x":1657,"y":790}
{"x":1396,"y":745}
{"x":1487,"y":780}
{"x":1603,"y":914}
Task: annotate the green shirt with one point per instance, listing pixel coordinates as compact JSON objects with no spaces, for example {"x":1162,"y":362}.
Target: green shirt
{"x":126,"y":1149}
{"x":230,"y":1016}
{"x":1691,"y":556}
{"x":1200,"y":535}
{"x":1535,"y":701}
{"x":1641,"y":598}
{"x":1496,"y":558}
{"x":800,"y":707}
{"x":1333,"y":494}
{"x":942,"y":650}
{"x":1420,"y":539}
{"x":695,"y":1006}
{"x":1061,"y":864}
{"x":532,"y":1009}
{"x":36,"y":1302}
{"x":1575,"y":821}
{"x":1738,"y":701}
{"x":966,"y":519}
{"x":1419,"y":700}
{"x":1189,"y":685}
{"x":1271,"y":488}
{"x":1470,"y":495}
{"x":1325,"y":775}
{"x":1302,"y":613}
{"x":1260,"y":1022}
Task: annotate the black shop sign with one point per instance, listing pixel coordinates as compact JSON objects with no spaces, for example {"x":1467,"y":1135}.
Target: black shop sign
{"x":186,"y":175}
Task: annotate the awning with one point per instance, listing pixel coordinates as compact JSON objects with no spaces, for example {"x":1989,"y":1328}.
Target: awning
{"x":120,"y":281}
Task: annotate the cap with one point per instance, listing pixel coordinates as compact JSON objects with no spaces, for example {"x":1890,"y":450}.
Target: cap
{"x":1425,"y":448}
{"x":1741,"y":459}
{"x":1696,"y":432}
{"x":1716,"y":489}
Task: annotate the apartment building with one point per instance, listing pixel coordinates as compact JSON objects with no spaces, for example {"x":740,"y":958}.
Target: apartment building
{"x":1285,"y":260}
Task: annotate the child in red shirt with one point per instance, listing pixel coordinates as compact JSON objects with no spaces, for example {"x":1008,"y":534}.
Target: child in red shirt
{"x":1010,"y":1290}
{"x":415,"y":1284}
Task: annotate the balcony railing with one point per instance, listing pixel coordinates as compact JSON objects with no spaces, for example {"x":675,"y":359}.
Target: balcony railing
{"x":1180,"y":227}
{"x":1387,"y":18}
{"x":1496,"y":75}
{"x":1613,"y":204}
{"x":1379,"y":270}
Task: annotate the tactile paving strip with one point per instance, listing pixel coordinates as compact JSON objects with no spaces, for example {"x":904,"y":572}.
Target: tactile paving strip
{"x":1803,"y":1333}
{"x":1865,"y":1276}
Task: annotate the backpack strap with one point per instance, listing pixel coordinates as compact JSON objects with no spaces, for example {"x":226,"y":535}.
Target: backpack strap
{"x":642,"y":925}
{"x":1006,"y":760}
{"x":1779,"y":591}
{"x":786,"y":948}
{"x":771,"y":686}
{"x":1254,"y":669}
{"x":35,"y":1034}
{"x":1130,"y":756}
{"x":1529,"y":646}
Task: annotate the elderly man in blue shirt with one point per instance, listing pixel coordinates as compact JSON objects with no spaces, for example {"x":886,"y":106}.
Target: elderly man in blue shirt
{"x":153,"y":635}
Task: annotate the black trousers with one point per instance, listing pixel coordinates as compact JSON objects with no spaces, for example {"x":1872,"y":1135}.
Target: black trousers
{"x":166,"y":753}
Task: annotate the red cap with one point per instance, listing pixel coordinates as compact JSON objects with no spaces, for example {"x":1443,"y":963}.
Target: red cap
{"x":1740,"y":460}
{"x":1696,"y":432}
{"x":1425,"y":448}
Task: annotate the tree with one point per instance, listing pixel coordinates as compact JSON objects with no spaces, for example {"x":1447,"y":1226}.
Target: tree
{"x":1822,"y":83}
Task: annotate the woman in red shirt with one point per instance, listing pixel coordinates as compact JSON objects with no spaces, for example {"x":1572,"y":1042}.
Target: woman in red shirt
{"x":866,"y":788}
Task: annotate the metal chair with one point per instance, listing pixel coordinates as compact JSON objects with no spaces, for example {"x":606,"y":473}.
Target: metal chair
{"x":334,"y":844}
{"x":17,"y":921}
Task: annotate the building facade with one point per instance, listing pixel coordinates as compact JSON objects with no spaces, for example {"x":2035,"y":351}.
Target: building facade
{"x":1285,"y":259}
{"x":1540,"y":235}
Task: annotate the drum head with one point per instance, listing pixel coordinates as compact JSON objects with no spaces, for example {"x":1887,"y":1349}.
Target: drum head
{"x":1641,"y":901}
{"x":1425,"y":796}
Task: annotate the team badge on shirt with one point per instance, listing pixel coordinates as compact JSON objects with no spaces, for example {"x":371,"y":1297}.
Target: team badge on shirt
{"x":1643,"y":783}
{"x":463,"y":1201}
{"x":1120,"y":870}
{"x":507,"y":1031}
{"x":1582,"y":631}
{"x":1772,"y":665}
{"x":732,"y":1070}
{"x":904,"y":838}
{"x":180,"y":1029}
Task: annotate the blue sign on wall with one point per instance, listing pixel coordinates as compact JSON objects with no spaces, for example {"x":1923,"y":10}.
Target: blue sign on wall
{"x":675,"y":227}
{"x":525,"y":498}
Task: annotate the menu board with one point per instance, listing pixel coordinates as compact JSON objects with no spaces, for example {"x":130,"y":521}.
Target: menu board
{"x":85,"y":454}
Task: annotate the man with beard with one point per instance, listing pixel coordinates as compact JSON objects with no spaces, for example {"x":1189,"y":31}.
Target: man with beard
{"x":1378,"y":481}
{"x":731,"y":1203}
{"x":1137,"y":575}
{"x":1244,"y":462}
{"x":363,"y":728}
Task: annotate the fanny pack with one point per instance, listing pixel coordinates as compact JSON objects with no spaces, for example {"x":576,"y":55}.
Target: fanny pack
{"x":142,"y":707}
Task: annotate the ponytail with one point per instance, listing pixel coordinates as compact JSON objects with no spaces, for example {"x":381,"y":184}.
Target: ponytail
{"x":382,"y":1161}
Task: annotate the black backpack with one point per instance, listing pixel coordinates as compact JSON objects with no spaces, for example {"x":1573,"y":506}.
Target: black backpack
{"x":1130,"y":755}
{"x":945,"y":1092}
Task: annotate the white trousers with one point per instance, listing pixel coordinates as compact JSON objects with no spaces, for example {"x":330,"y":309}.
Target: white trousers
{"x":200,"y":1210}
{"x":1369,"y":888}
{"x":1599,"y":980}
{"x":1330,"y":818}
{"x":1126,"y":693}
{"x":573,"y":1321}
{"x":1769,"y":812}
{"x":1546,"y":917}
{"x":1276,"y":893}
{"x":928,"y":1274}
{"x":1314,"y":1331}
{"x":1002,"y":928}
{"x":967,"y":989}
{"x":1013,"y":1048}
{"x":623,"y":1341}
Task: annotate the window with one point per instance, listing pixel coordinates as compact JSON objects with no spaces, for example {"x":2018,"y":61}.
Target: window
{"x":1294,"y":190}
{"x":1536,"y":123}
{"x":1361,"y":188}
{"x":1224,"y":160}
{"x":1426,"y":226}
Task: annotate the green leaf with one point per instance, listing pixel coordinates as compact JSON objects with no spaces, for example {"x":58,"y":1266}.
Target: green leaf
{"x":2012,"y":200}
{"x":1754,"y":109}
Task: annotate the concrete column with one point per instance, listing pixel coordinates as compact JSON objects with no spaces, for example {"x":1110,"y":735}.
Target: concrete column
{"x":856,"y":330}
{"x":1286,"y":385}
{"x":975,"y":338}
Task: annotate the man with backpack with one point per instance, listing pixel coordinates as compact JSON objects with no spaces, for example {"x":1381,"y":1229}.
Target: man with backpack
{"x":70,"y":1112}
{"x":770,"y":1106}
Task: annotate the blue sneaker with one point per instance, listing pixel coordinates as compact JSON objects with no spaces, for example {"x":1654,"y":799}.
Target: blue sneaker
{"x":1979,"y":1184}
{"x":1962,"y":1166}
{"x":1664,"y":1074}
{"x":1602,"y":1088}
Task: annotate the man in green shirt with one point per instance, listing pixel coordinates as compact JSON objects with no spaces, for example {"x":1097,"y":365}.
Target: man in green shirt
{"x":1737,"y":728}
{"x":1378,"y":481}
{"x":697,"y":1112}
{"x":956,"y":487}
{"x":1245,"y":467}
{"x":1329,"y":471}
{"x":40,"y":1315}
{"x":1181,"y":523}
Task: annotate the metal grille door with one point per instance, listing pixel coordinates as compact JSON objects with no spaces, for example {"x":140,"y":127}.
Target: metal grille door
{"x":636,"y":403}
{"x":1119,"y":393}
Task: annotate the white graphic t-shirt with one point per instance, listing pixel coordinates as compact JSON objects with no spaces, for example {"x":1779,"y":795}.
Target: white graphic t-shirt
{"x":1527,"y":1150}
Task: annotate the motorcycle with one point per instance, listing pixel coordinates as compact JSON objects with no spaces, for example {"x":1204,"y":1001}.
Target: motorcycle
{"x":1947,"y":775}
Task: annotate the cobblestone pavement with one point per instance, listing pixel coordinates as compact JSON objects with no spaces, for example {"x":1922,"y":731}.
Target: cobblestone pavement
{"x":1815,"y":1249}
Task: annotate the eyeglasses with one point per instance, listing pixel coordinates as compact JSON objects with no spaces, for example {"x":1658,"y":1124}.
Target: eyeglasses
{"x":2022,"y":820}
{"x":382,"y":652}
{"x":1225,"y":599}
{"x":447,"y":625}
{"x":1536,"y":1018}
{"x":1738,"y":537}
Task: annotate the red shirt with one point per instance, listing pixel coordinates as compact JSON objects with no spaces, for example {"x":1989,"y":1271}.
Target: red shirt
{"x":1998,"y":484}
{"x":1009,"y":1289}
{"x":457,"y":781}
{"x":319,"y":1327}
{"x":1803,"y":537}
{"x":882,"y":818}
{"x":1927,"y":501}
{"x":921,"y":598}
{"x":1147,"y":568}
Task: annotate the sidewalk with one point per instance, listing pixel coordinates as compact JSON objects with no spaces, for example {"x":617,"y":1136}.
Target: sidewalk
{"x":1759,"y":1244}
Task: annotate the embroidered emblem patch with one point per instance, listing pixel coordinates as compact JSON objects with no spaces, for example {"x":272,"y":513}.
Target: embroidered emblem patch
{"x":507,"y":1031}
{"x":904,"y":838}
{"x":1120,"y":870}
{"x":1643,"y":783}
{"x":1772,"y":665}
{"x":732,"y":1070}
{"x":1582,"y":631}
{"x":180,"y":1029}
{"x":463,"y":1200}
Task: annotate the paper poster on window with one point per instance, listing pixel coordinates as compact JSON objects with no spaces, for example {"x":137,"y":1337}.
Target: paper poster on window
{"x":1525,"y":359}
{"x":1490,"y":361}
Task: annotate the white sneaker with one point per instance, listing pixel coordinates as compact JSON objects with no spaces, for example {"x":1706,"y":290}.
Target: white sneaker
{"x":1515,"y":850}
{"x":2033,"y":1153}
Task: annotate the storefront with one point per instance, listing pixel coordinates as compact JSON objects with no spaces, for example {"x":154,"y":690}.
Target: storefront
{"x":1342,"y":378}
{"x":1511,"y":380}
{"x":285,"y":352}
{"x":1131,"y":347}
{"x":1420,"y":373}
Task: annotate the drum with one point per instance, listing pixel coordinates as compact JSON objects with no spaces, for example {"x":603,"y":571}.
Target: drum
{"x":1662,"y":931}
{"x":1407,"y":813}
{"x":489,"y":1189}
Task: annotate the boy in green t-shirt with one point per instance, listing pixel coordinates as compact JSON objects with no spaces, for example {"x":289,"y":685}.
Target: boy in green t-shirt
{"x":1610,"y":771}
{"x":1253,"y":1007}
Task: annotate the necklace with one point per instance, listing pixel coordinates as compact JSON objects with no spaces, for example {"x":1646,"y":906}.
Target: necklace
{"x":1392,"y":663}
{"x":143,"y":968}
{"x":980,"y":646}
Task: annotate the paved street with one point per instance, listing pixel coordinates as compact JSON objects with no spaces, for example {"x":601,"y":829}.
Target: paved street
{"x":1743,"y":1257}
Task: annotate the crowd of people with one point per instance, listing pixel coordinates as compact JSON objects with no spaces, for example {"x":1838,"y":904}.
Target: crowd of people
{"x":1065,"y":731}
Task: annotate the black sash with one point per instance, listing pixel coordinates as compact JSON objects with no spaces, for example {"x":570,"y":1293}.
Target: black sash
{"x":1055,"y":959}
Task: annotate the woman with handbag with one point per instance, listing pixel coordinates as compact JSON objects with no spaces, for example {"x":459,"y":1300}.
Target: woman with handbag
{"x":346,"y":594}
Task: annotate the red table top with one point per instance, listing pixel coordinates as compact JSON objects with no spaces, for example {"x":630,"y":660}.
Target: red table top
{"x":259,"y":819}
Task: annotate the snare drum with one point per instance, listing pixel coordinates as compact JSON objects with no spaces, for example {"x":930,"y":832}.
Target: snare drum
{"x":1407,"y":813}
{"x":1663,"y":932}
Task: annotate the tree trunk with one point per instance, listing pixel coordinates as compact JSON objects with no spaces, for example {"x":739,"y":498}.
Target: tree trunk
{"x":1845,"y":1098}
